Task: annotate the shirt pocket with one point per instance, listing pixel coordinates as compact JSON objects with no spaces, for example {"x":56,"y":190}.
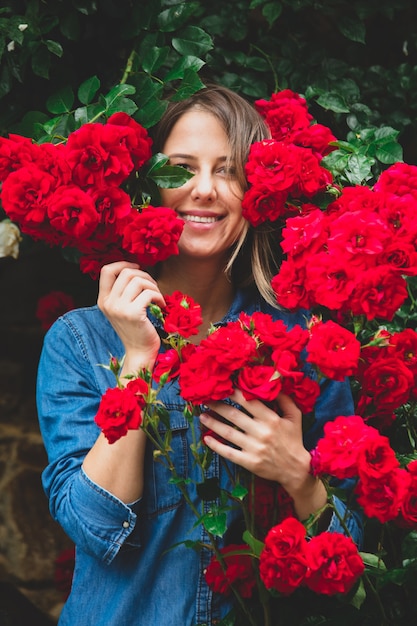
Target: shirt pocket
{"x":161,"y":495}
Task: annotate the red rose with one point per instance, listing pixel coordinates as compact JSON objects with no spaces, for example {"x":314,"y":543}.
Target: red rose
{"x":317,"y":137}
{"x":334,"y":350}
{"x":120,"y":410}
{"x":408,"y":508}
{"x":283,"y":98}
{"x":303,"y":391}
{"x":376,"y":458}
{"x":283,"y":561}
{"x":112,"y":204}
{"x":334,"y":563}
{"x":134,"y":136}
{"x":182,"y":315}
{"x":386,"y":383}
{"x":310,"y":177}
{"x":152,"y":235}
{"x":237,"y":571}
{"x":261,"y":382}
{"x":305,"y":233}
{"x":289,"y":287}
{"x":399,"y":179}
{"x":72,"y":214}
{"x":330,"y":280}
{"x":404,"y":345}
{"x":15,"y":152}
{"x":272,"y":164}
{"x":260,"y":204}
{"x":24,"y":194}
{"x":382,"y":497}
{"x":379,"y":293}
{"x":203,"y":380}
{"x":337,"y":452}
{"x":53,"y":305}
{"x":98,"y":155}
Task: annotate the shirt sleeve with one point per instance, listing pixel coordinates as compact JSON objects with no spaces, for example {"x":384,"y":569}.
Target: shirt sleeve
{"x":68,"y":396}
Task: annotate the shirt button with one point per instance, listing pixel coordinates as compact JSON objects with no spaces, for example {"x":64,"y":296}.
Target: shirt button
{"x":125,"y":524}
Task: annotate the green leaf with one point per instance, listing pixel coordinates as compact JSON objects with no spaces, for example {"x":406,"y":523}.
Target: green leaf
{"x":192,"y":41}
{"x":54,"y":47}
{"x":122,"y":104}
{"x":190,"y":83}
{"x":183,"y":64}
{"x":117,"y":93}
{"x":390,"y":153}
{"x":61,"y":102}
{"x":352,"y":29}
{"x":372,"y":561}
{"x":359,"y":169}
{"x":332,"y":101}
{"x":157,"y":161}
{"x":173,"y":18}
{"x":170,"y":176}
{"x":239,"y":492}
{"x":256,"y":545}
{"x":154,"y":57}
{"x":215,"y":522}
{"x":360,"y":596}
{"x":88,"y":89}
{"x":41,"y":62}
{"x":271,"y":12}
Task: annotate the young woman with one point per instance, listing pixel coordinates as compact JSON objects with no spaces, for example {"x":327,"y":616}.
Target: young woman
{"x":113,"y":500}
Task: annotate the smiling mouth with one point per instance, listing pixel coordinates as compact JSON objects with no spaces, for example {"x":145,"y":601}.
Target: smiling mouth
{"x":200,"y":219}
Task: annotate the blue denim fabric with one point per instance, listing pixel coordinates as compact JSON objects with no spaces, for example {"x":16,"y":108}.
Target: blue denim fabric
{"x":127,"y":573}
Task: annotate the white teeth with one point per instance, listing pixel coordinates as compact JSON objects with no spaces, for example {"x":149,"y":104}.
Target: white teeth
{"x":199,"y":218}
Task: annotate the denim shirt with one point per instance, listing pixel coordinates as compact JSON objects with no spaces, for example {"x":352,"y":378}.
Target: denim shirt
{"x":132,"y":568}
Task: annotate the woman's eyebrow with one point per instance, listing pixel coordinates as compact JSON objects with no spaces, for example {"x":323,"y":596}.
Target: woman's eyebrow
{"x":179,"y":155}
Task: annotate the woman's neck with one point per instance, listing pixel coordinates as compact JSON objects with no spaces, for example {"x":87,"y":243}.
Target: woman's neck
{"x":207,"y":284}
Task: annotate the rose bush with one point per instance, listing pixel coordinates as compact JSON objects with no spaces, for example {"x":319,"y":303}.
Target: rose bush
{"x":349,"y":257}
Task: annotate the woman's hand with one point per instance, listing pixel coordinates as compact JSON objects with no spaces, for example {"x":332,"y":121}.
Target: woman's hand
{"x":269,"y":445}
{"x":125,"y":292}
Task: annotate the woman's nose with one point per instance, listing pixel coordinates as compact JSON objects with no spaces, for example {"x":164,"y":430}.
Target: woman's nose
{"x":204,"y":187}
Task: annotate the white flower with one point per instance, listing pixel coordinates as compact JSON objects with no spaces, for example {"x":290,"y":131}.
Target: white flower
{"x":22,"y":27}
{"x":10,"y":46}
{"x":9,"y":239}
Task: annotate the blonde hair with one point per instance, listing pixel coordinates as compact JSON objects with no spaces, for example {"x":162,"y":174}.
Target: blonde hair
{"x":255,"y":257}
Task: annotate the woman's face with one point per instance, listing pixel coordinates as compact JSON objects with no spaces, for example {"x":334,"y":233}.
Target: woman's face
{"x":210,"y":202}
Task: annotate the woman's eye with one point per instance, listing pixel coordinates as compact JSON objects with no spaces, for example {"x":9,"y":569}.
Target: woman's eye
{"x":230,"y":172}
{"x":185,"y":166}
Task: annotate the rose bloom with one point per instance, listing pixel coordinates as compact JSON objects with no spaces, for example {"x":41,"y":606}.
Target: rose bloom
{"x":134,"y":136}
{"x":334,"y":563}
{"x":283,"y":561}
{"x":356,"y":198}
{"x":182,"y":315}
{"x":272,"y":164}
{"x":230,"y":346}
{"x":305,"y":233}
{"x":408,"y":508}
{"x":275,"y":334}
{"x":377,"y":458}
{"x":238,"y":572}
{"x":112,"y":204}
{"x":15,"y":152}
{"x":303,"y":391}
{"x":152,"y":235}
{"x":317,"y":137}
{"x":379,"y":293}
{"x":398,"y":179}
{"x":202,"y":379}
{"x":260,"y":204}
{"x":404,"y":345}
{"x":72,"y":213}
{"x":337,"y":452}
{"x":283,"y":98}
{"x":386,"y":383}
{"x":286,"y":119}
{"x":259,"y":382}
{"x":98,"y":154}
{"x":168,"y":362}
{"x":120,"y":410}
{"x":330,"y":280}
{"x":24,"y":194}
{"x":382,"y":497}
{"x":53,"y":305}
{"x":310,"y":178}
{"x":289,"y":287}
{"x":334,"y":350}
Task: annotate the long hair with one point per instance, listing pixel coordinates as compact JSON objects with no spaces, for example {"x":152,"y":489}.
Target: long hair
{"x":255,"y":257}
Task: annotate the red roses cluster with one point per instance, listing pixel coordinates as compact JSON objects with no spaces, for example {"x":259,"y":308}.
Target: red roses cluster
{"x":355,"y":255}
{"x":285,"y":170}
{"x":328,"y":563}
{"x":350,"y":448}
{"x":71,"y":194}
